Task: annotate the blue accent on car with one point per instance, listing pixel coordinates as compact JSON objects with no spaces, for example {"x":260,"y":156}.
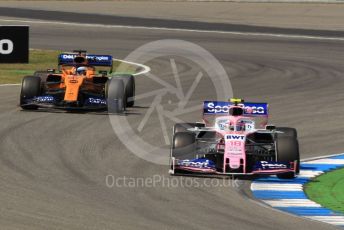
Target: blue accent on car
{"x":95,"y":101}
{"x":270,"y":165}
{"x":197,"y":163}
{"x":94,"y":60}
{"x":222,"y":107}
{"x":44,"y":99}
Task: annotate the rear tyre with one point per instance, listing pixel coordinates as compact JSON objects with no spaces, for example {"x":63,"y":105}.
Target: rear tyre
{"x":129,"y":83}
{"x":31,"y":87}
{"x":288,"y":151}
{"x":115,"y":95}
{"x":287,"y":132}
{"x":183,"y":127}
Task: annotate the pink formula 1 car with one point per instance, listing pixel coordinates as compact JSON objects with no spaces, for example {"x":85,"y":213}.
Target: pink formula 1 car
{"x":234,"y":139}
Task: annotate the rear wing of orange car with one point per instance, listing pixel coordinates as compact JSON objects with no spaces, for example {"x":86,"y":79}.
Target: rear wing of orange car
{"x":92,"y":60}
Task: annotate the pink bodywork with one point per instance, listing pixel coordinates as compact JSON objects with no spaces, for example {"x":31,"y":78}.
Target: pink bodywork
{"x":234,"y":149}
{"x":234,"y":146}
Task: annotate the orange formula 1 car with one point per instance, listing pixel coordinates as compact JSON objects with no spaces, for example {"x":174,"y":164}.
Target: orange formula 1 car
{"x":77,"y":85}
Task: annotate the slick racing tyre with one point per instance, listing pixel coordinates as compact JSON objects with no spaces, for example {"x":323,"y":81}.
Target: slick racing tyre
{"x":129,"y":83}
{"x":42,"y":75}
{"x":288,"y":151}
{"x":183,"y":127}
{"x":183,"y":145}
{"x":31,"y":87}
{"x":115,"y":95}
{"x":287,"y":132}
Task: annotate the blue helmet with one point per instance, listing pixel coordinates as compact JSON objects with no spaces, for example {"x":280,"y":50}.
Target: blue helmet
{"x":81,"y":70}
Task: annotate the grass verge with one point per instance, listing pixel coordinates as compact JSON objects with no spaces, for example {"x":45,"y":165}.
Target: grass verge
{"x":328,"y":190}
{"x":42,"y":60}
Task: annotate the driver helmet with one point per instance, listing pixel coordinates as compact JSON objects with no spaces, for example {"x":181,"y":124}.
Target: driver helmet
{"x":239,"y":126}
{"x":81,"y":70}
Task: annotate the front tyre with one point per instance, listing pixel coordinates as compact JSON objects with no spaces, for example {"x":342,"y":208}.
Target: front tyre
{"x":115,"y":95}
{"x":287,"y":132}
{"x":129,"y":84}
{"x":288,"y":151}
{"x":31,"y":87}
{"x":183,"y":146}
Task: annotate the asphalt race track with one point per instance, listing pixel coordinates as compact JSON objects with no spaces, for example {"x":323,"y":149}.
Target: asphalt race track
{"x":53,"y":165}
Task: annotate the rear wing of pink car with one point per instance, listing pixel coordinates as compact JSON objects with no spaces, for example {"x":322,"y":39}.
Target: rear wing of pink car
{"x":259,"y":110}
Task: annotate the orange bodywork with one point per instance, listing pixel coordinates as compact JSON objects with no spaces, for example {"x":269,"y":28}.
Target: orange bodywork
{"x":72,"y":82}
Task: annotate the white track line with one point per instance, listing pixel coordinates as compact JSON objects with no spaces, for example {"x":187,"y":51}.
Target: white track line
{"x":321,"y":157}
{"x":145,"y":68}
{"x":292,"y":203}
{"x":276,"y":187}
{"x":326,"y":162}
{"x":309,"y":173}
{"x":176,"y":29}
{"x":9,"y":85}
{"x":335,"y":220}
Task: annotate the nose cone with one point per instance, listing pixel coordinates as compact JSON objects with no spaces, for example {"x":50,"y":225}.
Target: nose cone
{"x":73,"y":84}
